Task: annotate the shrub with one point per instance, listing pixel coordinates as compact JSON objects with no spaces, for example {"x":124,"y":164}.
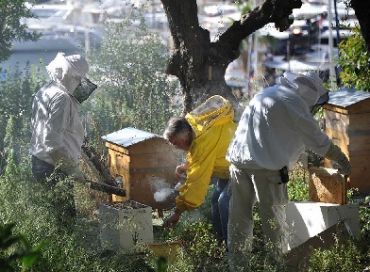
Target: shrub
{"x":15,"y":250}
{"x":354,"y":61}
{"x":342,"y":257}
{"x":133,"y":88}
{"x":298,"y":185}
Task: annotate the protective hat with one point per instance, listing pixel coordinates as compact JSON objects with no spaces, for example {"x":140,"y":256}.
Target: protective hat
{"x":62,"y":66}
{"x":78,"y":63}
{"x":310,"y":86}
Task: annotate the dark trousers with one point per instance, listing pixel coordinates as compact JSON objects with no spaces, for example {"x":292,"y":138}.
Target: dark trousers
{"x":220,"y":207}
{"x":58,"y":188}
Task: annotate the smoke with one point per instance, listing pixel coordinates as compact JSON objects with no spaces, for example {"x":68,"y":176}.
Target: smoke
{"x":159,"y":183}
{"x":163,"y":190}
{"x":163,"y":194}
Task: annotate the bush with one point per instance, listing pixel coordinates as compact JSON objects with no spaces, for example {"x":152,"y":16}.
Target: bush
{"x":16,"y":94}
{"x":354,"y":61}
{"x":298,"y":185}
{"x":15,"y":250}
{"x":342,"y":257}
{"x":73,"y":247}
{"x":133,"y":88}
{"x":202,"y":251}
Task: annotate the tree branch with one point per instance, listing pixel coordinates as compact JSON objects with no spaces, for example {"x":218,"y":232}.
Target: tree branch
{"x":272,"y":11}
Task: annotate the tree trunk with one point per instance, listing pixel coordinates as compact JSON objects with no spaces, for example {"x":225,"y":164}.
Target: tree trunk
{"x":362,"y":11}
{"x":200,"y":64}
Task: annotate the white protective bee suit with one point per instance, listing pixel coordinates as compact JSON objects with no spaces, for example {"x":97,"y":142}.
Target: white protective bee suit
{"x":273,"y":131}
{"x":57,"y":130}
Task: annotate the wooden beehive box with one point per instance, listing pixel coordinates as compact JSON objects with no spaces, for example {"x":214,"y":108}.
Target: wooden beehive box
{"x":326,"y":185}
{"x":347,"y":123}
{"x":145,"y":163}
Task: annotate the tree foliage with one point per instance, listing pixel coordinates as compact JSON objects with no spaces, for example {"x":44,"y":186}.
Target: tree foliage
{"x":11,"y":29}
{"x":133,"y":91}
{"x":16,"y":94}
{"x":355,"y":62}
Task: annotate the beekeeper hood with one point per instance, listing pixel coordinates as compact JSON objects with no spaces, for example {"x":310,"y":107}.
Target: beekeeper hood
{"x":70,"y":72}
{"x":309,"y":86}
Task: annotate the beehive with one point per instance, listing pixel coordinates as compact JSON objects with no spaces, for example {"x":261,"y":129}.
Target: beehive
{"x":145,"y":163}
{"x":327,"y":185}
{"x":347,"y":123}
{"x":125,"y":225}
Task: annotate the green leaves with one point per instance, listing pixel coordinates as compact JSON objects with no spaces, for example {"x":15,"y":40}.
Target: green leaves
{"x":133,"y":88}
{"x":15,"y":250}
{"x":343,"y":256}
{"x":355,"y":62}
{"x":11,"y":29}
{"x":16,"y":94}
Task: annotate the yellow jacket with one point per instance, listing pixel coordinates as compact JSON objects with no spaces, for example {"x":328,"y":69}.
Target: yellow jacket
{"x":213,"y":125}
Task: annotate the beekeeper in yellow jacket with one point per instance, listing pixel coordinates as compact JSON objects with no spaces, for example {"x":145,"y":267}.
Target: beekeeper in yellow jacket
{"x":205,"y":133}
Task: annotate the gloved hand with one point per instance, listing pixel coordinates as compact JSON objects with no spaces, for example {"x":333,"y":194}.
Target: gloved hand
{"x":180,"y":171}
{"x":334,"y":153}
{"x":172,"y":220}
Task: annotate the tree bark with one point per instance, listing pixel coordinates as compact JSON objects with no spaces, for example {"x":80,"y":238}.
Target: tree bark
{"x":362,"y":11}
{"x":200,"y":64}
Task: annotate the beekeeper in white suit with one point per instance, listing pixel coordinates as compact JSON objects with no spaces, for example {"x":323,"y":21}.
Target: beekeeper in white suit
{"x":273,"y":131}
{"x":57,"y":131}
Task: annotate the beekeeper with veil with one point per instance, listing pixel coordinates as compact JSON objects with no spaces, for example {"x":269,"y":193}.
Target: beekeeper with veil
{"x":57,"y":130}
{"x":275,"y":128}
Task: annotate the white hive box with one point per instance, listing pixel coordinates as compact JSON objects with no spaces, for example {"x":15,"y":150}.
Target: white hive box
{"x":125,"y":225}
{"x":307,"y":219}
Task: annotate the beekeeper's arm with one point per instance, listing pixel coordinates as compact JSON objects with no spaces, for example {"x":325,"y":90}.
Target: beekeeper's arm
{"x":335,"y":153}
{"x":317,"y":141}
{"x":57,"y":123}
{"x":200,"y":168}
{"x":180,"y":171}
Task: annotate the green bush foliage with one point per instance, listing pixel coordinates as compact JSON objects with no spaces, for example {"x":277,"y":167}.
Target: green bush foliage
{"x":355,"y":62}
{"x":342,"y":257}
{"x":202,"y":251}
{"x":16,"y":94}
{"x":298,"y":185}
{"x":15,"y":250}
{"x":133,"y":88}
{"x":70,"y":247}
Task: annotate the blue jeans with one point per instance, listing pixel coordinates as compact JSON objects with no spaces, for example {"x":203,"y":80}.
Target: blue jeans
{"x":220,"y":207}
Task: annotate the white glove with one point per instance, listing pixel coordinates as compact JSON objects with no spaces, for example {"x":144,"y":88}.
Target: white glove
{"x":334,"y":153}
